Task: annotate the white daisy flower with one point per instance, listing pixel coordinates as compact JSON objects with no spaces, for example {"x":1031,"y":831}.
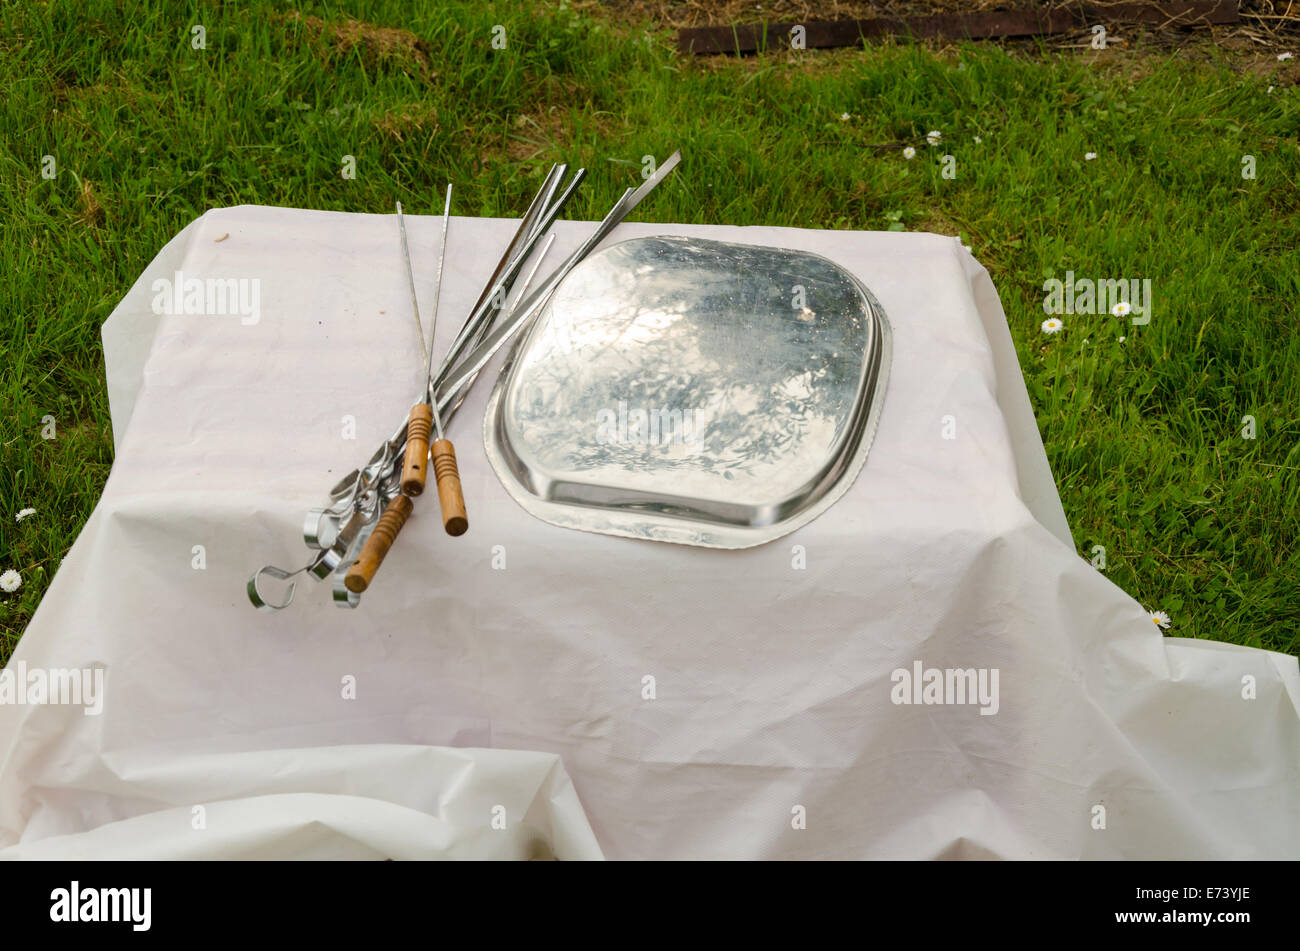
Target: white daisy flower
{"x":11,"y":580}
{"x":934,"y":137}
{"x":1283,"y":57}
{"x":844,"y":117}
{"x":1089,"y":156}
{"x":909,"y":153}
{"x":978,"y":140}
{"x":1122,"y":339}
{"x":1160,"y":619}
{"x":1121,"y":309}
{"x":1053,"y":325}
{"x":25,"y":513}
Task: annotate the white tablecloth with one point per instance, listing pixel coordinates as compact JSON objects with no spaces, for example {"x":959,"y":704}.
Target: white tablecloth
{"x":481,"y":691}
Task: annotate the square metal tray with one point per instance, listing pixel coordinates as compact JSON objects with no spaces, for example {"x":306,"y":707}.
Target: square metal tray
{"x":692,"y":391}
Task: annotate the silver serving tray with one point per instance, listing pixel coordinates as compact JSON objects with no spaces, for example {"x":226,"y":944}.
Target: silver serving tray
{"x":692,"y":391}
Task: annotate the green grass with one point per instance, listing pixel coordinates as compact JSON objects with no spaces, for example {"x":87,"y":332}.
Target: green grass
{"x":1143,"y":437}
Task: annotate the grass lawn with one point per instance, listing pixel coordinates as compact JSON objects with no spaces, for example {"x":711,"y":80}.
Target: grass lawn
{"x":1145,"y":435}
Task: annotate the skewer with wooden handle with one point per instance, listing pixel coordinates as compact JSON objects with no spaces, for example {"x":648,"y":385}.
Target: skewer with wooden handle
{"x":450,"y":496}
{"x":424,"y":420}
{"x":415,"y":469}
{"x":419,"y":427}
{"x":418,"y":430}
{"x":376,"y":547}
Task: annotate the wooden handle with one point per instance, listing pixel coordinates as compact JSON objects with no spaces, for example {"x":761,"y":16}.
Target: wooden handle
{"x":376,"y":547}
{"x":418,"y":430}
{"x":450,"y":497}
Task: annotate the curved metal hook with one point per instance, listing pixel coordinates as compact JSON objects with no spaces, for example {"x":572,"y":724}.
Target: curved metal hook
{"x":320,"y":529}
{"x":259,"y":600}
{"x":343,"y":598}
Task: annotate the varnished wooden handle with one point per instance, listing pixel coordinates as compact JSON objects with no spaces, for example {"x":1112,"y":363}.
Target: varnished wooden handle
{"x":376,"y":547}
{"x":450,"y":497}
{"x":418,"y":430}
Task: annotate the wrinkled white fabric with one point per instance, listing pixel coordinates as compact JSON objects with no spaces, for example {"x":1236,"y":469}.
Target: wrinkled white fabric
{"x":768,"y":729}
{"x":364,"y":802}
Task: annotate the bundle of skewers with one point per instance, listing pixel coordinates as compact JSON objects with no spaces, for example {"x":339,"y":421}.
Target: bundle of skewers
{"x":350,"y":537}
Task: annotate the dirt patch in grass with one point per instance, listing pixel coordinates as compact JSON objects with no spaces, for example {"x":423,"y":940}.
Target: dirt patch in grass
{"x":549,"y":126}
{"x":376,"y":44}
{"x":412,"y":119}
{"x":92,"y":212}
{"x":532,"y":133}
{"x":936,"y":222}
{"x":555,"y":90}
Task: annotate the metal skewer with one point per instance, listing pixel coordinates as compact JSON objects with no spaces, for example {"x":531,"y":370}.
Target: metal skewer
{"x":433,"y":321}
{"x":410,"y":278}
{"x":425,"y":412}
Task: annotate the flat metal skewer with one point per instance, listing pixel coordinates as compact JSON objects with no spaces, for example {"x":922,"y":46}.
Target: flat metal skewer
{"x":433,"y":322}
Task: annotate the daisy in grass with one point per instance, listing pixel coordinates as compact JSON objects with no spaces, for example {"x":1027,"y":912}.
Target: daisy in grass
{"x":909,"y":153}
{"x":1053,"y":325}
{"x":934,"y":137}
{"x":25,"y":513}
{"x":1121,"y":308}
{"x":1160,"y":619}
{"x":1089,"y":156}
{"x":11,"y":580}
